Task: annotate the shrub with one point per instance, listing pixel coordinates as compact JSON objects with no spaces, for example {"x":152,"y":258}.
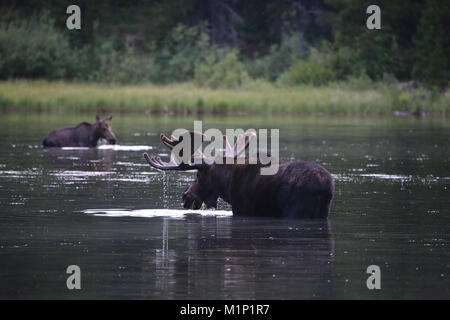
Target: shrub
{"x":357,"y":82}
{"x":183,"y":49}
{"x":35,"y":49}
{"x":122,"y":66}
{"x":342,"y":60}
{"x":308,"y":72}
{"x":227,"y":72}
{"x":278,"y":60}
{"x":432,"y":47}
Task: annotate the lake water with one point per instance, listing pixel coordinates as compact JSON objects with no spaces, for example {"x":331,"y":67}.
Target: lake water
{"x":122,"y":222}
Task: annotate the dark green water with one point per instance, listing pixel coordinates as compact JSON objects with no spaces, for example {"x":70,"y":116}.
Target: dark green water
{"x":93,"y":208}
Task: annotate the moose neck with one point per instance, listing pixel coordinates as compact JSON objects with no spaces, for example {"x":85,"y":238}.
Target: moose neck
{"x":222,"y":176}
{"x":95,"y":135}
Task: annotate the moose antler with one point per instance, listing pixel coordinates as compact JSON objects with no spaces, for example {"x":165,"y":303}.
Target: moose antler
{"x":238,"y":148}
{"x":170,"y":143}
{"x":172,"y":165}
{"x":194,"y":137}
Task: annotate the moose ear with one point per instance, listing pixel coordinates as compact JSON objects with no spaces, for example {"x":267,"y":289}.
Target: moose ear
{"x":97,"y":118}
{"x":109,"y":118}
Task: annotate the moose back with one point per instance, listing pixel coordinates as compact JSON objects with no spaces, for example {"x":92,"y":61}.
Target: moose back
{"x":83,"y":135}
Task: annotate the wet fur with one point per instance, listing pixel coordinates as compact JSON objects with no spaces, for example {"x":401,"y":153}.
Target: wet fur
{"x":297,"y":190}
{"x":82,"y":135}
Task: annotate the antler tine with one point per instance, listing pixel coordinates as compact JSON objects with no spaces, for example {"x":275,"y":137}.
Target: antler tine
{"x":248,"y":137}
{"x":228,"y":149}
{"x":159,"y":164}
{"x":226,"y":143}
{"x":159,"y":161}
{"x":194,"y":148}
{"x":169,"y":143}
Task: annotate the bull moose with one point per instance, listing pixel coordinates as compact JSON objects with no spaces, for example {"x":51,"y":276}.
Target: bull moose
{"x":82,"y":135}
{"x":297,"y":190}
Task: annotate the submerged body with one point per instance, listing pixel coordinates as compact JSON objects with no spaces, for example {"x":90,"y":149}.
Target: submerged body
{"x":297,"y":190}
{"x":83,"y":135}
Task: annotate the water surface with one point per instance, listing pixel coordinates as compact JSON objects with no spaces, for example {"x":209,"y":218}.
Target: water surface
{"x":122,"y":222}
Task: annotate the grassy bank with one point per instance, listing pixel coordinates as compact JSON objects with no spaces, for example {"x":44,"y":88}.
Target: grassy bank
{"x":186,"y":98}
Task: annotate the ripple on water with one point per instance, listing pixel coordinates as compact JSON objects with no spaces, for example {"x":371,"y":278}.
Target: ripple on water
{"x":117,"y":147}
{"x":68,"y":173}
{"x":351,"y":177}
{"x":75,"y":148}
{"x":18,"y":174}
{"x":386,"y":176}
{"x":152,"y":213}
{"x":131,"y":164}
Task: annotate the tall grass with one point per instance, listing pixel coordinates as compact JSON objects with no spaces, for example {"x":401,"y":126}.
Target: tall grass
{"x":22,"y":95}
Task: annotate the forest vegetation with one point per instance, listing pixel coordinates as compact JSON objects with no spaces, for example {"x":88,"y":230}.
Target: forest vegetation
{"x":225,"y":55}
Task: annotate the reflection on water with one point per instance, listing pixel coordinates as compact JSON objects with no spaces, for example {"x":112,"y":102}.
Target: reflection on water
{"x":122,"y":222}
{"x":151,"y":213}
{"x":117,"y":147}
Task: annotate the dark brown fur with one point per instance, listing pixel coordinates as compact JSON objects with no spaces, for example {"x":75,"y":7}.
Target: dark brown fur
{"x":82,"y":135}
{"x":297,"y":190}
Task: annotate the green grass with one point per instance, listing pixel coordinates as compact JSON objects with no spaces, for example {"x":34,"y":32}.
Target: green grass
{"x":23,"y":95}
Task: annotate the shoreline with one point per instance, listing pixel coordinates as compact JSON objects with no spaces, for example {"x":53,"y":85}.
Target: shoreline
{"x":187,"y":99}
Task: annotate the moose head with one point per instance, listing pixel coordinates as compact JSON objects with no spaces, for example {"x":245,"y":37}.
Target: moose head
{"x":102,"y":129}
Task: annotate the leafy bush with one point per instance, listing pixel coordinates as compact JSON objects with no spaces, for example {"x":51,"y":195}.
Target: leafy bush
{"x":227,"y":72}
{"x":122,"y":66}
{"x":183,"y":49}
{"x":278,"y":60}
{"x":308,"y":72}
{"x":35,"y":49}
{"x":432,"y":47}
{"x":356,"y":82}
{"x":342,"y":60}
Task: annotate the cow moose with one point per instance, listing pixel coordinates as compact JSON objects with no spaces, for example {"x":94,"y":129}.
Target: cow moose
{"x":297,"y":190}
{"x":82,"y":135}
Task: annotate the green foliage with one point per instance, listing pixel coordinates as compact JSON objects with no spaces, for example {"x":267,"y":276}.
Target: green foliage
{"x":432,"y":47}
{"x":122,"y":66}
{"x":227,"y":72}
{"x":183,"y":42}
{"x":379,"y":54}
{"x":388,"y":50}
{"x":310,"y":72}
{"x":259,"y":97}
{"x":357,"y":82}
{"x":34,"y":49}
{"x":183,"y":49}
{"x":278,"y":60}
{"x":342,"y":60}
